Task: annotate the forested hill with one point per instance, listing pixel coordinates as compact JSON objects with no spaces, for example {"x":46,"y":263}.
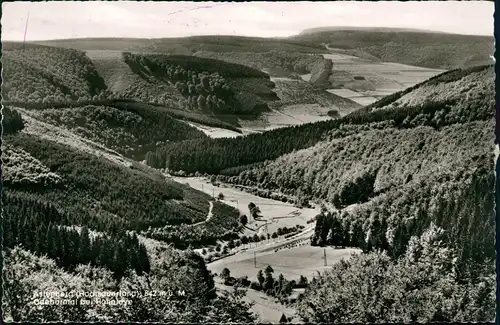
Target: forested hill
{"x":201,"y":84}
{"x":78,"y":215}
{"x":130,"y":103}
{"x":419,"y":48}
{"x":44,"y":76}
{"x":437,"y":102}
{"x":41,"y":75}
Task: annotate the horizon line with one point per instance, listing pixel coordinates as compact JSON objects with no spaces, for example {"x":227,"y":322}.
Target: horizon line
{"x":302,"y":33}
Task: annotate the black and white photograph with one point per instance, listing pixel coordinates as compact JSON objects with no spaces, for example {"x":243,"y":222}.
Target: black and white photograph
{"x":248,"y":162}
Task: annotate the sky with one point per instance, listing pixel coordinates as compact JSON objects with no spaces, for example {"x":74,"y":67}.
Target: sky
{"x":58,"y":20}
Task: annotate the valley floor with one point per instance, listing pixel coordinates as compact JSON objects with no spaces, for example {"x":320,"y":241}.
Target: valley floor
{"x":292,"y":257}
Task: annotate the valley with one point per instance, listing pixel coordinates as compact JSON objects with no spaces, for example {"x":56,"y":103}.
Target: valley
{"x":292,"y":257}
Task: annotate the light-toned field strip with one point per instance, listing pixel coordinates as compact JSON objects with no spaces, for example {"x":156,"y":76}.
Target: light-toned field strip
{"x":214,"y":132}
{"x":292,"y":262}
{"x":357,"y":97}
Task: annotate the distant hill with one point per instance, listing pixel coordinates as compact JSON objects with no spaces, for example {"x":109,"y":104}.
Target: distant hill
{"x":188,"y":45}
{"x":418,"y":48}
{"x":400,"y":45}
{"x":370,"y":29}
{"x":277,"y":63}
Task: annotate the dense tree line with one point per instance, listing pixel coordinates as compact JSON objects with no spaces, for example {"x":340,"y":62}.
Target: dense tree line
{"x":462,"y":207}
{"x":359,"y":164}
{"x":216,"y":155}
{"x":194,"y":63}
{"x":43,"y":75}
{"x":280,"y":287}
{"x":419,"y":286}
{"x":11,"y":120}
{"x":39,"y":227}
{"x":204,"y":83}
{"x":130,"y":198}
{"x":138,"y":107}
{"x":58,"y":104}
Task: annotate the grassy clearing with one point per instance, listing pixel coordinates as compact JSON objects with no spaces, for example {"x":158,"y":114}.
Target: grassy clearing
{"x":292,"y":263}
{"x":372,"y":79}
{"x":286,"y":213}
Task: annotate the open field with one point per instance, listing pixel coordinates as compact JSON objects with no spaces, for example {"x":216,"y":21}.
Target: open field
{"x":292,"y":257}
{"x":214,"y":132}
{"x":300,"y":102}
{"x":288,"y":116}
{"x":278,"y":214}
{"x":352,"y":95}
{"x":293,"y":262}
{"x":371,"y":79}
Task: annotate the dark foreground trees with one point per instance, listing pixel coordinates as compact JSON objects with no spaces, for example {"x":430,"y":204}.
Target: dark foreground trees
{"x":190,"y":293}
{"x":421,"y":286}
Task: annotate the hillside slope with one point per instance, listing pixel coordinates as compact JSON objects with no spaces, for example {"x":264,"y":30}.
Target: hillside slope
{"x":208,"y":84}
{"x":472,"y":103}
{"x":377,"y":142}
{"x":277,"y":63}
{"x":79,"y":216}
{"x":48,"y":74}
{"x":418,"y":48}
{"x":43,"y":76}
{"x":129,"y":130}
